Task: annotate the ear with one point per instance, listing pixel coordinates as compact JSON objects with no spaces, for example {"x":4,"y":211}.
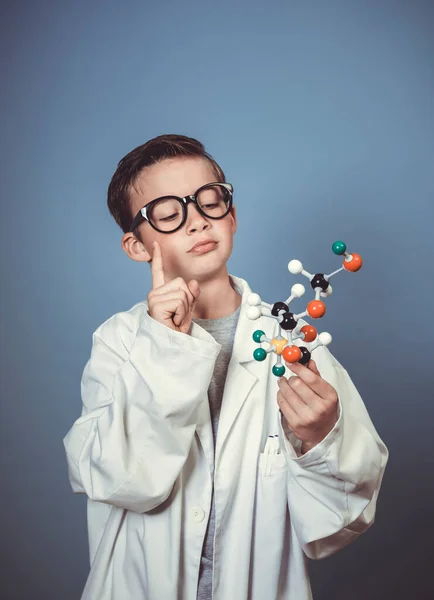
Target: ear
{"x":134,"y":248}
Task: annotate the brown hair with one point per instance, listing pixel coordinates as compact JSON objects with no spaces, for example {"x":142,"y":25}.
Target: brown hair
{"x":131,"y":165}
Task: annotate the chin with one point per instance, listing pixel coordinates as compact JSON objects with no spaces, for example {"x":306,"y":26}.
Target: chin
{"x":204,"y":266}
{"x":208,"y":267}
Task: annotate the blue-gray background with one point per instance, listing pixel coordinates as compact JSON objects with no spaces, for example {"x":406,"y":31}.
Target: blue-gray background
{"x":321,"y":114}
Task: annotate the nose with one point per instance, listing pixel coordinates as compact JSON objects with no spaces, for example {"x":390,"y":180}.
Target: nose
{"x":195,"y":221}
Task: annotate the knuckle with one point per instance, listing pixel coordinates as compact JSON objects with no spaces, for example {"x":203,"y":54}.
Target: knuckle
{"x":296,"y":426}
{"x":309,"y":420}
{"x":310,"y":377}
{"x":295,"y":382}
{"x":333,"y":398}
{"x":321,"y":412}
{"x":330,"y":397}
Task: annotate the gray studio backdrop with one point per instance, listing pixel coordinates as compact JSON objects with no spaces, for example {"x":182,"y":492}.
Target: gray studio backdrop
{"x":321,"y":114}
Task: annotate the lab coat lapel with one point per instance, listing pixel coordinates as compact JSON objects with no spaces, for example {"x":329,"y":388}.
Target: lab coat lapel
{"x":240,"y":379}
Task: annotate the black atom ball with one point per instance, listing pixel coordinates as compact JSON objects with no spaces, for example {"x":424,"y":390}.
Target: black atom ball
{"x":288,"y":322}
{"x":277,"y":306}
{"x":319,"y":281}
{"x":305,"y":355}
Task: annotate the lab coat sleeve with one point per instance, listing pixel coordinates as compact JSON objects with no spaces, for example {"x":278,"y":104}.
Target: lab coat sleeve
{"x":140,"y":389}
{"x":333,"y":488}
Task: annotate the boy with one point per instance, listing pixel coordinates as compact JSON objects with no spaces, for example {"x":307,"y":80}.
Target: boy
{"x":188,"y":496}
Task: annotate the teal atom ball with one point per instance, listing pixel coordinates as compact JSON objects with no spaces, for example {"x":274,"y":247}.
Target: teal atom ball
{"x":339,"y":248}
{"x":278,"y":370}
{"x":259,"y":354}
{"x":257,"y":335}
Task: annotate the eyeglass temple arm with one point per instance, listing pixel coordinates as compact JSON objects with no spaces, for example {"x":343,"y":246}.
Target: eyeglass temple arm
{"x":137,"y":220}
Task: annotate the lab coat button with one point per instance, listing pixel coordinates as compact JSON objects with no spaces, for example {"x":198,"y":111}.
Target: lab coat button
{"x":198,"y":514}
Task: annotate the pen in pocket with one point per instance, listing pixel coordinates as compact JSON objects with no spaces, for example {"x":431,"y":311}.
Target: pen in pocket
{"x":270,"y":450}
{"x":276,"y":444}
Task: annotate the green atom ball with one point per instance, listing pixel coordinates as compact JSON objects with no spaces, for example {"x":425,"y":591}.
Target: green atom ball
{"x":259,"y":354}
{"x":257,"y":335}
{"x":339,"y":248}
{"x":278,"y":370}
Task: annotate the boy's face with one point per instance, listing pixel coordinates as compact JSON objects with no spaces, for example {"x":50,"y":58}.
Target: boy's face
{"x":181,"y":177}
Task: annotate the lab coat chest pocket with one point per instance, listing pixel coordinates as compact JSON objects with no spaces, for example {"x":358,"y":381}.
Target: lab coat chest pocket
{"x":271,"y":490}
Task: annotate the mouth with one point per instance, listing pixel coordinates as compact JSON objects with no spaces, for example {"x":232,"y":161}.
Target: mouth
{"x":203,"y":246}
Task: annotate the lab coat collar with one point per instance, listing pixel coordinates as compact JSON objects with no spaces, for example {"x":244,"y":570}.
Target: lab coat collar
{"x":244,"y":346}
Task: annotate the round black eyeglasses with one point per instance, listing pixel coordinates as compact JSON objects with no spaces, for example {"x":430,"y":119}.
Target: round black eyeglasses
{"x":168,"y":213}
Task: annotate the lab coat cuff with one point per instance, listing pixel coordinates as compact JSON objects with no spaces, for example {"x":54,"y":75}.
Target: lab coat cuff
{"x":198,"y":341}
{"x":318,"y":452}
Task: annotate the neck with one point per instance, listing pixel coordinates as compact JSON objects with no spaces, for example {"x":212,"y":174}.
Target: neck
{"x":217,"y":298}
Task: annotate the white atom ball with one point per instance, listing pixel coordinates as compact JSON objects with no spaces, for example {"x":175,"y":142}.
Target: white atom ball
{"x":298,"y":290}
{"x":254,"y":300}
{"x":328,"y":292}
{"x":295,"y":267}
{"x":253,"y":312}
{"x":325,"y":338}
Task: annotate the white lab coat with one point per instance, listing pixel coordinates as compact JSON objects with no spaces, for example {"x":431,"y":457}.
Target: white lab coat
{"x":143,"y":453}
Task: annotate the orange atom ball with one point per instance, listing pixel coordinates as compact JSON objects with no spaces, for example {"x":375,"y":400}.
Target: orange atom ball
{"x":309,"y":333}
{"x":354,"y":264}
{"x":316,"y":309}
{"x":291,"y":354}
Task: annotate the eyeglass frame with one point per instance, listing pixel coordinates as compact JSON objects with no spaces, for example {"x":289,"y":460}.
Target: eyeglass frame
{"x":142,"y":215}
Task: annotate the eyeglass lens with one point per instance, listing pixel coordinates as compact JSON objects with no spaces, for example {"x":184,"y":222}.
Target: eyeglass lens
{"x":167,"y":214}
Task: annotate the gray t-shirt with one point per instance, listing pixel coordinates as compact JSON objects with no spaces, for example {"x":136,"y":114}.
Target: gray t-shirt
{"x":223,"y":331}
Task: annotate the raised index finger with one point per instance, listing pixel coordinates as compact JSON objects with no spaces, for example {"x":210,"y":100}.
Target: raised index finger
{"x":157,"y":267}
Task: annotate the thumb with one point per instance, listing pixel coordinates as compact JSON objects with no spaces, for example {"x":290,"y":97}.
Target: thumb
{"x":194,"y":288}
{"x":312,"y":366}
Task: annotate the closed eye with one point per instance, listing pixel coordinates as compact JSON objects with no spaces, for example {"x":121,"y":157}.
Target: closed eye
{"x":170,"y":217}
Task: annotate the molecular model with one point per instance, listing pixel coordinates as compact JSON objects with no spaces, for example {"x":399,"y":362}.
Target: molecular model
{"x":289,"y":321}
